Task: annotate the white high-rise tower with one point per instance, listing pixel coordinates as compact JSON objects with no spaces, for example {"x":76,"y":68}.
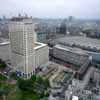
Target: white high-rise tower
{"x":27,"y":54}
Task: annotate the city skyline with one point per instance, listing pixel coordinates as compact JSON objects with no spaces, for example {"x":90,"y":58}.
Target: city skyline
{"x":50,"y":50}
{"x":86,"y":9}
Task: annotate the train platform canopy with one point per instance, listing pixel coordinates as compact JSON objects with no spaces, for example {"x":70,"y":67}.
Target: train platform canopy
{"x":81,"y":41}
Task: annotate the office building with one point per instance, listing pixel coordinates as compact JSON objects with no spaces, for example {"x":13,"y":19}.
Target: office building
{"x":27,"y":53}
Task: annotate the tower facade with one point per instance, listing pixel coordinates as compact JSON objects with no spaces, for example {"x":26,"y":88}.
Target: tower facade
{"x":23,"y":47}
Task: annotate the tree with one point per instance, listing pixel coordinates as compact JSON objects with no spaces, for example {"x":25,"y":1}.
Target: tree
{"x":39,"y":80}
{"x":46,"y":82}
{"x":33,"y":78}
{"x":0,"y":60}
{"x":36,"y":85}
{"x":25,"y":85}
{"x":2,"y":64}
{"x":4,"y":92}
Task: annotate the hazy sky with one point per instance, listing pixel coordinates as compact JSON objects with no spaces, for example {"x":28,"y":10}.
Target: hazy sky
{"x":51,"y":8}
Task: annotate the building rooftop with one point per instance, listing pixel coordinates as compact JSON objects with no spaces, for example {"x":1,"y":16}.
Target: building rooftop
{"x":39,"y":45}
{"x":81,"y":41}
{"x":70,"y":49}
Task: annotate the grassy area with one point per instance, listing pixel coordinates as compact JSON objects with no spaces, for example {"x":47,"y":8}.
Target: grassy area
{"x":17,"y":94}
{"x":2,"y":78}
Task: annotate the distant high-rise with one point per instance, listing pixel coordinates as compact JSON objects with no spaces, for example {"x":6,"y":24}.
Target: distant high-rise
{"x":63,"y":27}
{"x":70,"y":18}
{"x":27,"y":54}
